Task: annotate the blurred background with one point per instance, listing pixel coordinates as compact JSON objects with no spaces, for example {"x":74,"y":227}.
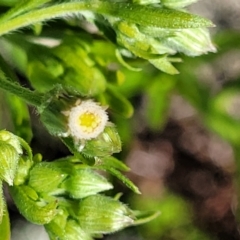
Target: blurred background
{"x":181,"y":144}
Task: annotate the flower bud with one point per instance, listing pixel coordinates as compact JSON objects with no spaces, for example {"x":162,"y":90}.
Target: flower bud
{"x":22,"y":174}
{"x":11,"y":139}
{"x":85,"y":182}
{"x":73,"y":231}
{"x":44,"y":177}
{"x":8,"y":161}
{"x":35,"y":210}
{"x":62,"y":227}
{"x":99,"y":214}
{"x":192,"y":42}
{"x":107,"y":143}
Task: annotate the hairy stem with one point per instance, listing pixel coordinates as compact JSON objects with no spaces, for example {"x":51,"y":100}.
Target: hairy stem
{"x":27,"y":95}
{"x":156,"y":17}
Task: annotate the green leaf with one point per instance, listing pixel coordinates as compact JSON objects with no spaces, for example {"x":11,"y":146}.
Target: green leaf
{"x":114,"y":163}
{"x":163,"y":64}
{"x":122,"y":178}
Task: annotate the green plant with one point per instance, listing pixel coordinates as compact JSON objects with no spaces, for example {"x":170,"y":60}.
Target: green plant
{"x":75,"y":75}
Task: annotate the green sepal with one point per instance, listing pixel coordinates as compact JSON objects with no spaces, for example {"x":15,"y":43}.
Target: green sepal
{"x":101,"y":214}
{"x":53,"y":103}
{"x":89,"y":160}
{"x":34,"y":210}
{"x":85,"y":182}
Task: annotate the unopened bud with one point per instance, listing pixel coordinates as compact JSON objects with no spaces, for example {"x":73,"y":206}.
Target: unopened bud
{"x":35,"y":210}
{"x":107,"y":143}
{"x":85,"y":182}
{"x":101,"y":214}
{"x":192,"y":42}
{"x":8,"y":161}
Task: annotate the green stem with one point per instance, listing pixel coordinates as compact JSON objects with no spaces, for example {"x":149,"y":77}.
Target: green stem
{"x":21,"y":7}
{"x":27,"y":95}
{"x":40,"y":15}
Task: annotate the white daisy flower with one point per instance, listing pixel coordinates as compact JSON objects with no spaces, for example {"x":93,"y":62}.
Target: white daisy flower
{"x":86,"y":120}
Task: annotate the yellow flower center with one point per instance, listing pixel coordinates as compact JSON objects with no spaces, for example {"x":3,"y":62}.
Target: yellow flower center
{"x":89,"y":121}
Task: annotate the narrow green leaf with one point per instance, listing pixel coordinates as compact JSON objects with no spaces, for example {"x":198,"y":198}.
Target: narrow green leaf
{"x":122,"y":178}
{"x":114,"y":163}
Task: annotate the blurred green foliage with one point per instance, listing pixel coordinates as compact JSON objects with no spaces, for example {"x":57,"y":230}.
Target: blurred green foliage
{"x":64,"y":61}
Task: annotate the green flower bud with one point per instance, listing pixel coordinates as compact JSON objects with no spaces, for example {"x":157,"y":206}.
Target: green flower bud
{"x":33,"y":208}
{"x":11,"y":139}
{"x":62,"y":227}
{"x":73,"y":231}
{"x":192,"y":42}
{"x":56,"y":228}
{"x":10,"y":151}
{"x":22,"y":173}
{"x":8,"y":162}
{"x":85,"y":182}
{"x":99,"y":214}
{"x":44,"y":177}
{"x":177,"y":3}
{"x":107,"y":143}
